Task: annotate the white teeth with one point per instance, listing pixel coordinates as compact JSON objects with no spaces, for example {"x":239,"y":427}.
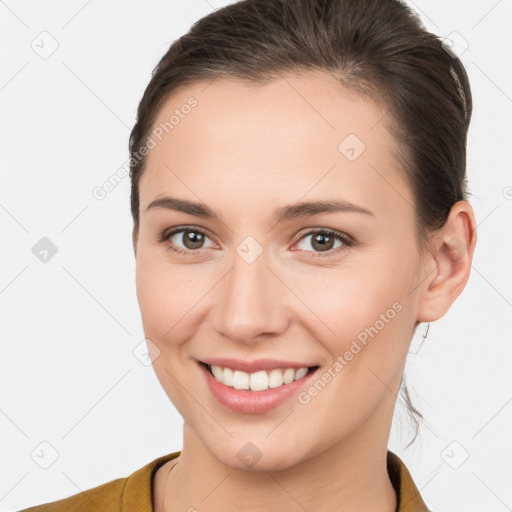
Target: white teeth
{"x":257,"y":381}
{"x":240,"y":380}
{"x":227,"y":376}
{"x":275,"y":378}
{"x":217,"y":372}
{"x":289,"y":375}
{"x":300,"y":373}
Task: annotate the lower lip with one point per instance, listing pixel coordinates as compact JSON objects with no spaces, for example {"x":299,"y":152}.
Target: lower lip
{"x":253,"y":402}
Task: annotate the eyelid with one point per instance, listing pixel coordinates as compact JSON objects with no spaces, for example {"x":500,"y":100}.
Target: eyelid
{"x":166,"y":234}
{"x":334,"y":232}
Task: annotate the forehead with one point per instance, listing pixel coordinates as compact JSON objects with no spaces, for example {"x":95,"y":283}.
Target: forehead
{"x":295,"y":134}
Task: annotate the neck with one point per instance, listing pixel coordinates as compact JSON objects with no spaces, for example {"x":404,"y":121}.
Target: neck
{"x":348,"y":477}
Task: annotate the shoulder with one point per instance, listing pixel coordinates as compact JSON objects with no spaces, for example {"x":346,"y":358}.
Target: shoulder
{"x":103,"y":497}
{"x":408,"y":496}
{"x":133,"y":492}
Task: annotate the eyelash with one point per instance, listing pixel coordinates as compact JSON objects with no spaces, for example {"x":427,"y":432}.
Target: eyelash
{"x":347,"y":241}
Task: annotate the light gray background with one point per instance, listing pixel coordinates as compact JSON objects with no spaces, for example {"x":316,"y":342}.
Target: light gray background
{"x":68,"y":374}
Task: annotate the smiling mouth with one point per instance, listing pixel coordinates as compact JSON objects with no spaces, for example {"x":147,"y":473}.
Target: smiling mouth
{"x":257,"y":381}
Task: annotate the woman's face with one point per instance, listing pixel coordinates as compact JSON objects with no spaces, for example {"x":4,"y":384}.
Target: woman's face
{"x":255,"y":282}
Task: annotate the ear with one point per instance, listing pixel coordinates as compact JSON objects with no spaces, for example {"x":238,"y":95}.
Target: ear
{"x":135,"y":237}
{"x":448,"y":263}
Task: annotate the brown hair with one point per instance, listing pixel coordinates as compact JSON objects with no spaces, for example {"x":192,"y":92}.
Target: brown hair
{"x":378,"y":48}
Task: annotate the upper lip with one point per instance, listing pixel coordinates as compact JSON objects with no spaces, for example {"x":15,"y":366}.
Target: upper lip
{"x":253,"y":366}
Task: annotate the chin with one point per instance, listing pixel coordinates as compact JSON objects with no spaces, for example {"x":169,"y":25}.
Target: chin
{"x":249,"y":453}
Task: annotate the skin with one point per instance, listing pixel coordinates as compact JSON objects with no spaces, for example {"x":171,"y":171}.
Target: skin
{"x":244,"y":151}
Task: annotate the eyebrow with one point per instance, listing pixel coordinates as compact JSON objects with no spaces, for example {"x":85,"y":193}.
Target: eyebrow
{"x":282,"y":214}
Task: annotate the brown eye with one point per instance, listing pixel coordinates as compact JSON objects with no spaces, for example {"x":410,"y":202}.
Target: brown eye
{"x":192,"y":239}
{"x":324,"y":241}
{"x":185,"y":240}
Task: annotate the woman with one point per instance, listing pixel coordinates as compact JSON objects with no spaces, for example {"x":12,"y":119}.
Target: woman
{"x":298,"y":197}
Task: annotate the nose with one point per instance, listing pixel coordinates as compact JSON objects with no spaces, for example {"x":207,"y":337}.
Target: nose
{"x":251,"y":302}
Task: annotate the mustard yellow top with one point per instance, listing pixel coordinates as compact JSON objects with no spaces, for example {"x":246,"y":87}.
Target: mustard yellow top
{"x":135,"y":492}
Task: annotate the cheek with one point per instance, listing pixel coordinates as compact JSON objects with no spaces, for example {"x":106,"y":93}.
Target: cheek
{"x":367,"y":351}
{"x":345,"y":300}
{"x":166,"y":296}
{"x":361,"y":313}
{"x":171,"y":298}
{"x":155,"y":299}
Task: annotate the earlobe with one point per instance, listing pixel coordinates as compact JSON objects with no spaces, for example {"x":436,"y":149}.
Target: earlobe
{"x":452,"y":253}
